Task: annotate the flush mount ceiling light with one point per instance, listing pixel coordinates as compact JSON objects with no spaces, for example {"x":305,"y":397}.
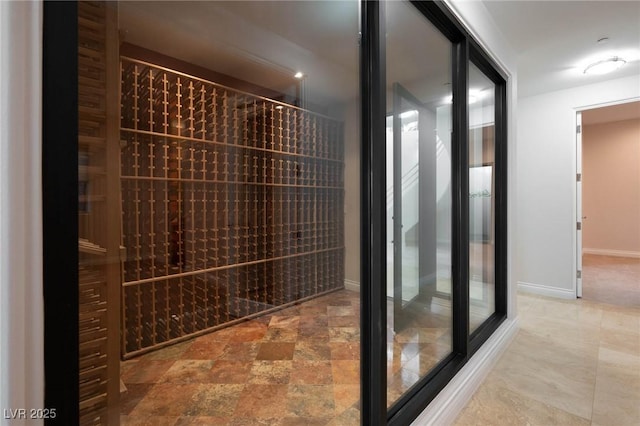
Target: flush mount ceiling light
{"x":299,"y":75}
{"x":605,"y":66}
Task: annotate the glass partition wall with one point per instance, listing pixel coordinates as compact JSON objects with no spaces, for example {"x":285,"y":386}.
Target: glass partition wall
{"x":214,"y":139}
{"x":238,"y":123}
{"x":286,"y":211}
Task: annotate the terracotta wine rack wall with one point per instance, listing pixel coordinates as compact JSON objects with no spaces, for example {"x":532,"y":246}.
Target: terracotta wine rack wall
{"x":233,"y":205}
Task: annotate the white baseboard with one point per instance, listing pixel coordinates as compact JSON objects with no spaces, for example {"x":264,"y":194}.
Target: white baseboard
{"x":352,"y":285}
{"x":608,"y":252}
{"x":544,"y":290}
{"x":446,"y":407}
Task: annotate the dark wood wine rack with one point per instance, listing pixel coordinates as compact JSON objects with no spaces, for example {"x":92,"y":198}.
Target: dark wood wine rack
{"x":232,"y":205}
{"x":98,"y":214}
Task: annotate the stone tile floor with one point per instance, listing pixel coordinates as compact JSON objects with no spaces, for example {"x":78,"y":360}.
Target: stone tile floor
{"x":297,"y":366}
{"x":608,"y":279}
{"x":573,"y":362}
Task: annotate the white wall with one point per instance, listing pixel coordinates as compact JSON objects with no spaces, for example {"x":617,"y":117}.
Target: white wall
{"x":546,"y":166}
{"x":21,"y":305}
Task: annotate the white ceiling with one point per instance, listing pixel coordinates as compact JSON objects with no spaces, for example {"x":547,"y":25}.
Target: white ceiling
{"x":554,"y":40}
{"x":264,"y":42}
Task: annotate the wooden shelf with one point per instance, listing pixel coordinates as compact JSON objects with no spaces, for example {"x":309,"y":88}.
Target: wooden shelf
{"x":214,"y":142}
{"x":98,"y":291}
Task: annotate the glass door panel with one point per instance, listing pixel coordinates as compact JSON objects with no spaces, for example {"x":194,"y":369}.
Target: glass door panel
{"x":418,"y":197}
{"x":406,"y":194}
{"x":481,"y":197}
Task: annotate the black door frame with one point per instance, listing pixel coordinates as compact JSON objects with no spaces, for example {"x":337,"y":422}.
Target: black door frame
{"x":373,"y":217}
{"x":60,"y":211}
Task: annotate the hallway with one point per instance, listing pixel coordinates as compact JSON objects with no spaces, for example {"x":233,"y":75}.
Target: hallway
{"x":573,"y":362}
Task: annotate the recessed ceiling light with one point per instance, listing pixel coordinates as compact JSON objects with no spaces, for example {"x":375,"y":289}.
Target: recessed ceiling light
{"x":299,"y":74}
{"x":605,"y":66}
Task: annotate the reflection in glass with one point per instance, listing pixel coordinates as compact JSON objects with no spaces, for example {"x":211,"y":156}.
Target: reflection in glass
{"x":481,"y":197}
{"x":418,"y":197}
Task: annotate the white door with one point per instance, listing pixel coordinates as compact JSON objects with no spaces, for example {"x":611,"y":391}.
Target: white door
{"x":579,"y":217}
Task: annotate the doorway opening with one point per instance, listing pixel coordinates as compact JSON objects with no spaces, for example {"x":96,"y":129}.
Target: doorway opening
{"x":608,"y":203}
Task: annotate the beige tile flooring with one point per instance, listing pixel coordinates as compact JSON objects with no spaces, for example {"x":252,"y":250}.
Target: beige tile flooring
{"x":609,"y":279}
{"x":573,"y":362}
